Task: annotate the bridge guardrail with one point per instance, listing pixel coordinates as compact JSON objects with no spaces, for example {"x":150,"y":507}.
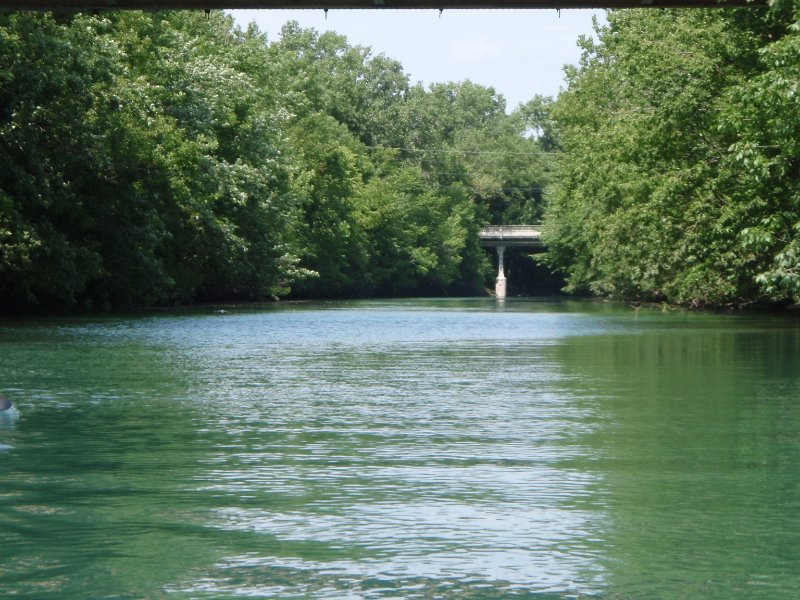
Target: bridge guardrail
{"x":510,"y":231}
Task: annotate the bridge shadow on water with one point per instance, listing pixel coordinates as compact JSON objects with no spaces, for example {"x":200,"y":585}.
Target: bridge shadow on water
{"x":526,"y":276}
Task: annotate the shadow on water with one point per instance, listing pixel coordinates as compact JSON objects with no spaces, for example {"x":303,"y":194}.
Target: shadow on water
{"x":697,"y":449}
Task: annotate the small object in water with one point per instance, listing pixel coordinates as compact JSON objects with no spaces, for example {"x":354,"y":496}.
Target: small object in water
{"x":8,"y":413}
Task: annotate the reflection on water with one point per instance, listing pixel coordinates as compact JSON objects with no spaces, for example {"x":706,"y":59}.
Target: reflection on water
{"x":411,"y":449}
{"x":8,"y":421}
{"x":701,"y":457}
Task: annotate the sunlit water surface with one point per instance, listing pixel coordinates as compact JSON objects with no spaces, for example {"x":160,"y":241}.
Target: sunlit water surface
{"x":404,"y":449}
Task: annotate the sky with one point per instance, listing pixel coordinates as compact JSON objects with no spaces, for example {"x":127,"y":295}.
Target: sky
{"x":520,"y":53}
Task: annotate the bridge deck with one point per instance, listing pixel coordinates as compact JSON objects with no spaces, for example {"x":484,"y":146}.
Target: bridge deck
{"x":6,"y":5}
{"x":511,"y":235}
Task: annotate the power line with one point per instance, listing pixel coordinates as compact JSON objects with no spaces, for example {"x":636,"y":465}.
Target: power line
{"x":463,"y":152}
{"x":472,"y":188}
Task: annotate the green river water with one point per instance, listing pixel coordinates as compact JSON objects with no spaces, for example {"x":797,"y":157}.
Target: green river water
{"x":402,"y":449}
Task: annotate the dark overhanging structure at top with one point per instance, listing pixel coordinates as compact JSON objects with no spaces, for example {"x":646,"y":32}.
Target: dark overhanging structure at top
{"x":80,"y":5}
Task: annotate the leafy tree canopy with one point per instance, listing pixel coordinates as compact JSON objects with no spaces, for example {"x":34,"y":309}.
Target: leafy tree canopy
{"x":678,"y":179}
{"x":159,"y":158}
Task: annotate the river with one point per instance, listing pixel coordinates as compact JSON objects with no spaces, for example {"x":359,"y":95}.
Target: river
{"x":401,"y":449}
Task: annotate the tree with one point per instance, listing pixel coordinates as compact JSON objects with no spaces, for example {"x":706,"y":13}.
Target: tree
{"x":649,"y":201}
{"x":172,"y":157}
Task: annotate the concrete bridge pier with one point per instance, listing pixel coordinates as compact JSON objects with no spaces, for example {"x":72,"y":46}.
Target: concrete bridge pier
{"x":500,"y":284}
{"x":504,"y":236}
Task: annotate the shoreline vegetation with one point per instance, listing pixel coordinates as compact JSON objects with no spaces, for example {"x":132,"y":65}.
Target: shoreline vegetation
{"x":173,"y":159}
{"x":233,"y":307}
{"x":679,"y":179}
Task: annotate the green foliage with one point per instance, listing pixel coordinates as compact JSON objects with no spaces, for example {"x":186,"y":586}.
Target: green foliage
{"x":134,"y":171}
{"x":332,"y":241}
{"x":170,"y":157}
{"x":679,"y":176}
{"x":417,"y":237}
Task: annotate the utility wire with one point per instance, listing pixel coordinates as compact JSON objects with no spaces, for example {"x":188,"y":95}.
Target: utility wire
{"x":456,"y":151}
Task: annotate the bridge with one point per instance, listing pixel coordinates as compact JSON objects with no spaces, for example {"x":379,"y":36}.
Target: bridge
{"x":79,"y":5}
{"x":501,"y":237}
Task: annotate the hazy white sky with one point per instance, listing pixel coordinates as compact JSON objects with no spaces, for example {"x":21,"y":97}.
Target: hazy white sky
{"x":520,"y":53}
